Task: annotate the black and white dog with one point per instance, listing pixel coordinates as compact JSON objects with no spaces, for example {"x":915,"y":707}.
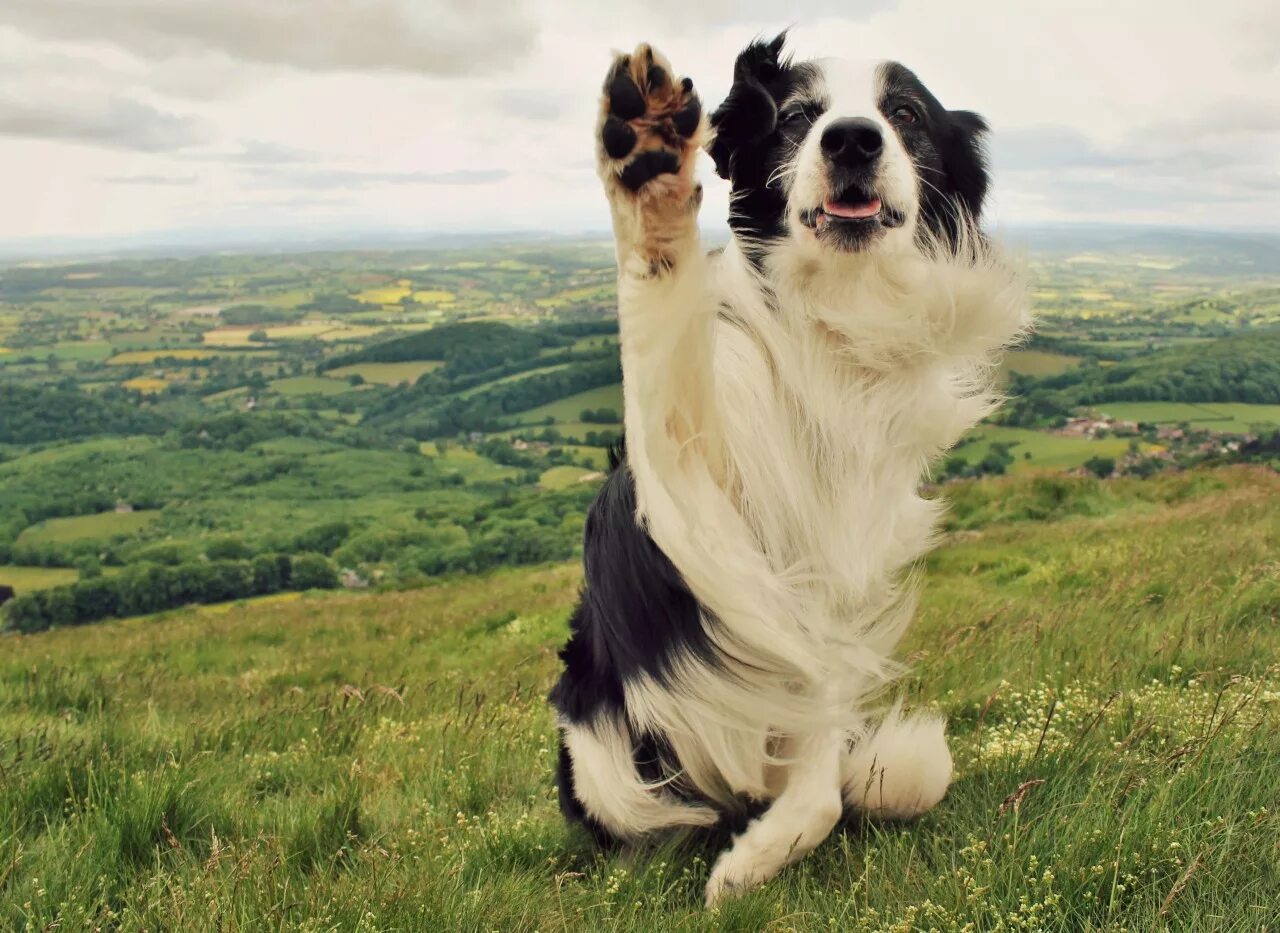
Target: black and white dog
{"x":748,"y":562}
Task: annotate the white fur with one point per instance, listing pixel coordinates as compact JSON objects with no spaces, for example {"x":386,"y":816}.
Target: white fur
{"x":606,"y":783}
{"x":777,"y":446}
{"x":902,"y":770}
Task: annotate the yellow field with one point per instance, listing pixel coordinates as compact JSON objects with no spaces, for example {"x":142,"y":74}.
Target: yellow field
{"x":146,"y":385}
{"x":386,"y":294}
{"x":434,"y":296}
{"x":309,"y":330}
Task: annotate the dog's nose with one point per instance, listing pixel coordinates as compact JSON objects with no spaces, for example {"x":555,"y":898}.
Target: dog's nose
{"x":852,"y":141}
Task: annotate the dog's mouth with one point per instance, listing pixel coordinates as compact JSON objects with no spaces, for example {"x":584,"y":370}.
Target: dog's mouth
{"x":851,"y":215}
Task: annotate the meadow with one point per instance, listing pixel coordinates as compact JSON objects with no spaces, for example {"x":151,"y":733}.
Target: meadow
{"x":382,"y":761}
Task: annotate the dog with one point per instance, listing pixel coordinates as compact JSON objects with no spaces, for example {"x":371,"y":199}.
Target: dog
{"x":750,"y":560}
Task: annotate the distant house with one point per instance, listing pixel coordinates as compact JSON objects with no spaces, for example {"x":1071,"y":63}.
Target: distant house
{"x":123,"y":508}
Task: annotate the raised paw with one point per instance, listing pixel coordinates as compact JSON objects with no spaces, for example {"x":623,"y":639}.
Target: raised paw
{"x":650,"y":122}
{"x":650,"y":129}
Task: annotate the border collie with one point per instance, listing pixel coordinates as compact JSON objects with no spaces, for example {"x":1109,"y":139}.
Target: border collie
{"x":749,"y":560}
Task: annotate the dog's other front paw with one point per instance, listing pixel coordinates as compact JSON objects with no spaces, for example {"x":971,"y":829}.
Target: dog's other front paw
{"x":650,"y":130}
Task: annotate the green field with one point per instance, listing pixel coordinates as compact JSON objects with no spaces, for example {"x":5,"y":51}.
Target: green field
{"x":1048,"y":451}
{"x":1218,"y":416}
{"x":104,"y":525}
{"x":562,"y":477}
{"x":309,"y":385}
{"x":1037,"y":362}
{"x":469,"y":464}
{"x":386,"y":373}
{"x":569,"y":408}
{"x":383,"y":761}
{"x":26,"y":579}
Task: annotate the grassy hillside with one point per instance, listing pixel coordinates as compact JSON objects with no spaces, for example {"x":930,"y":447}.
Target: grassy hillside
{"x":382,"y":761}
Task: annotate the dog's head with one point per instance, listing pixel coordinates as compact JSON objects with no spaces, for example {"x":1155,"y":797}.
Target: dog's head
{"x":842,"y":157}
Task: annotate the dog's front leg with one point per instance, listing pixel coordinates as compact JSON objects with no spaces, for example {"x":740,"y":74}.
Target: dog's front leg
{"x":651,"y":128}
{"x":800,"y":818}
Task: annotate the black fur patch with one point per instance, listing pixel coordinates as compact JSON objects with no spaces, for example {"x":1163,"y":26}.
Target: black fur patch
{"x":947,"y":147}
{"x":746,"y":146}
{"x":635,"y":615}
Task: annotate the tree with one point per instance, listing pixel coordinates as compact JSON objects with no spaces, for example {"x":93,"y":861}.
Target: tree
{"x":313,"y":572}
{"x":1101,"y":467}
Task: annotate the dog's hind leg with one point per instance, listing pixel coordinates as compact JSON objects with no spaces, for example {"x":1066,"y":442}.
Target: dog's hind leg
{"x":603,"y":779}
{"x":800,"y":818}
{"x":901,"y":770}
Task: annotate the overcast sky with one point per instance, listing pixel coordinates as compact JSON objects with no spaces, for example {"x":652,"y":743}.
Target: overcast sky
{"x":128,"y":117}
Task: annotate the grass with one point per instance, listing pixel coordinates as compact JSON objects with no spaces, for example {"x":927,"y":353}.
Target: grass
{"x":308,"y":385}
{"x":383,"y":761}
{"x":389,"y":374}
{"x":1048,"y":451}
{"x":1219,"y":416}
{"x":27,"y":579}
{"x":1037,"y":362}
{"x":562,"y":477}
{"x":569,"y":408}
{"x":469,"y":464}
{"x":143,"y":357}
{"x":103,"y":525}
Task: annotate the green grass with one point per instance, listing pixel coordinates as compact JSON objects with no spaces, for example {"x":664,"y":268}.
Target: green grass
{"x":383,"y":761}
{"x":309,"y":385}
{"x":562,"y":477}
{"x":569,"y":408}
{"x":1218,"y":416}
{"x":1037,"y":362}
{"x":386,"y":373}
{"x":103,"y":525}
{"x":469,"y":464}
{"x":1048,"y":451}
{"x":28,"y":579}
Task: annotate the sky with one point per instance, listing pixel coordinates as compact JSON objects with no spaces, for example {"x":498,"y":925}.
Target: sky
{"x":128,"y":118}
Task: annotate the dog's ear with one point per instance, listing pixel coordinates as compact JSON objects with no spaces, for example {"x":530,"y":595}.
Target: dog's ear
{"x":750,"y":113}
{"x":966,"y":159}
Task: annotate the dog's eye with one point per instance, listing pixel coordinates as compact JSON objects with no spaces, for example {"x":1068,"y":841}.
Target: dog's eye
{"x":799,"y":116}
{"x":904,"y":114}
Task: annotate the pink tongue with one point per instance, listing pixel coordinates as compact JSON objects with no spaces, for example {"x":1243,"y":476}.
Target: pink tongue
{"x":837,"y":209}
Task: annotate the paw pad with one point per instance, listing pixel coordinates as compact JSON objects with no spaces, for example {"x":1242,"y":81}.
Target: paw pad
{"x":650,"y":119}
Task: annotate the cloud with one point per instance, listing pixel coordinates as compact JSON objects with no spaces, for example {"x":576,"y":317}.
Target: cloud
{"x":341,"y":178}
{"x":257,"y":152}
{"x":1048,"y":147}
{"x":116,"y":123}
{"x":170,"y":180}
{"x":437,"y":37}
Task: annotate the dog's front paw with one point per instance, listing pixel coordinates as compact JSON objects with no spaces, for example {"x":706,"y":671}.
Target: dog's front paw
{"x":650,"y":130}
{"x":735,"y":872}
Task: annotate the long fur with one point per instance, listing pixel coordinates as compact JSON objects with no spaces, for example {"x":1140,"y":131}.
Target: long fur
{"x":750,"y":563}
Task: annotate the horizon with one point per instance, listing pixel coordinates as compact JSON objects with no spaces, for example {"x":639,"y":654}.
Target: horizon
{"x":178,"y":244}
